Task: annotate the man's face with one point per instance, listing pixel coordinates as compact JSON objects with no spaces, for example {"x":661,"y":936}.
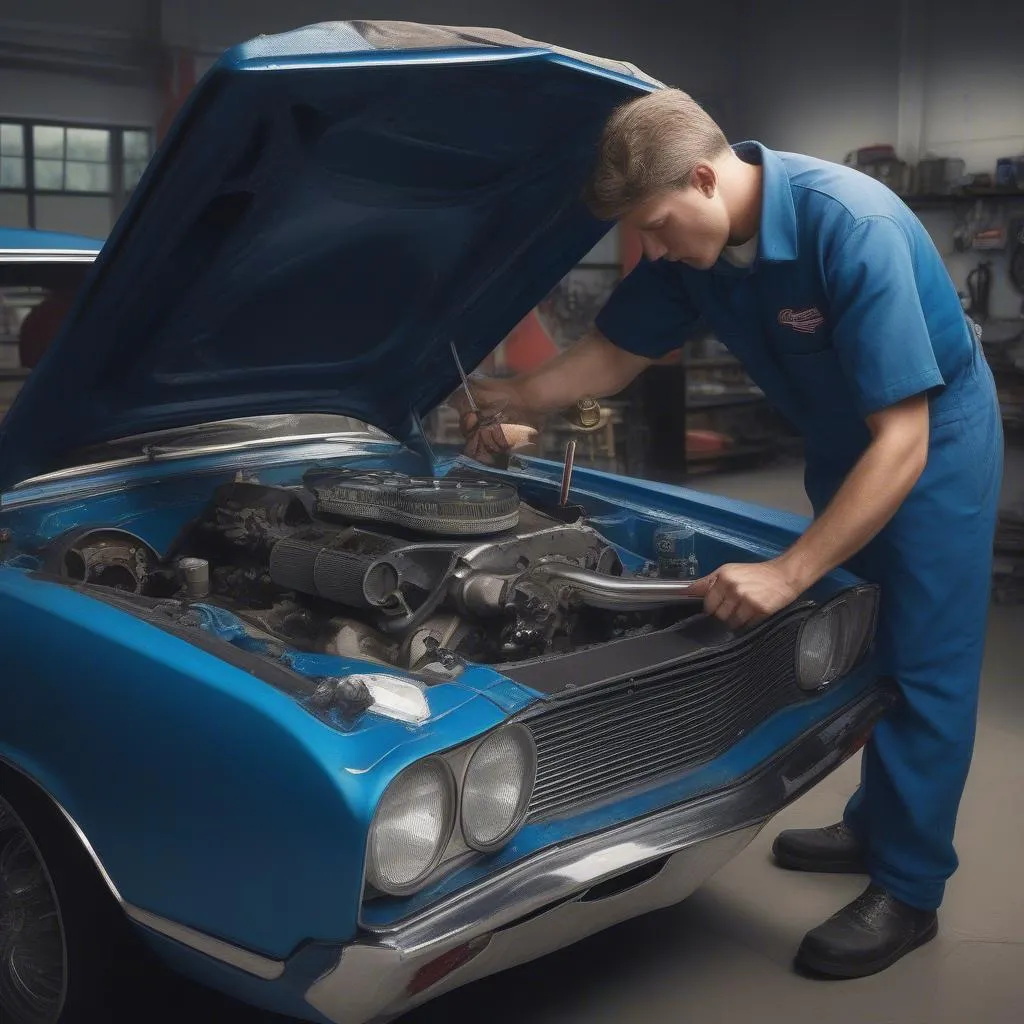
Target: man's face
{"x":687,"y":225}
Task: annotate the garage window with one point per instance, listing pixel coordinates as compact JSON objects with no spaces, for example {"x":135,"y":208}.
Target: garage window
{"x":68,"y":176}
{"x":71,"y":159}
{"x":12,"y":156}
{"x":136,"y":154}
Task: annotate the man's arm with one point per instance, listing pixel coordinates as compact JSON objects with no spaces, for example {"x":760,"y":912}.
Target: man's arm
{"x":593,"y":366}
{"x":869,"y":497}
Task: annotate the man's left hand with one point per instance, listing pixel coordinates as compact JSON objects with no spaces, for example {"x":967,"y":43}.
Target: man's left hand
{"x":743,"y":595}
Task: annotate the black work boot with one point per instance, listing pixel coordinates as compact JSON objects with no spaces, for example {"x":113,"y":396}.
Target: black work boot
{"x":834,"y":848}
{"x":866,"y":936}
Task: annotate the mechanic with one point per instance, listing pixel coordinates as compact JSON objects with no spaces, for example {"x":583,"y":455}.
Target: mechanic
{"x":833,"y":296}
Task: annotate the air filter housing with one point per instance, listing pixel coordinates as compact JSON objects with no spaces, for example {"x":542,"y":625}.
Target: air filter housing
{"x":450,"y":508}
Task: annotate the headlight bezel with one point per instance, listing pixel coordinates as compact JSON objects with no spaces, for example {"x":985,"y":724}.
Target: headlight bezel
{"x":526,"y":789}
{"x":372,"y":873}
{"x":457,"y":846}
{"x":859,"y":602}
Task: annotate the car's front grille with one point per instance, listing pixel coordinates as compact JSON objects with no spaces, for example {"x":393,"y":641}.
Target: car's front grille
{"x":631,"y":732}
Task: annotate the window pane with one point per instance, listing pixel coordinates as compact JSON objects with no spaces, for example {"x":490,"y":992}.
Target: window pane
{"x":50,"y":174}
{"x":136,"y":146}
{"x":48,"y":141}
{"x":132,"y":173}
{"x":89,"y":144}
{"x":83,"y":177}
{"x":12,"y":140}
{"x":12,"y":172}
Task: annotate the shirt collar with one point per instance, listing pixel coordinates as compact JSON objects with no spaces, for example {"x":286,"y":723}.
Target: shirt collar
{"x":778,"y":237}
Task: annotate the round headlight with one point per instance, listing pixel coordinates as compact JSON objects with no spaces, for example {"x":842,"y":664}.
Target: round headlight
{"x":834,"y":640}
{"x":411,"y":828}
{"x":498,"y":786}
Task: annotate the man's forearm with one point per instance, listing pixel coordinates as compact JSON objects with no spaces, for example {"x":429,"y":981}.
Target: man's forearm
{"x":866,"y":501}
{"x":593,"y":366}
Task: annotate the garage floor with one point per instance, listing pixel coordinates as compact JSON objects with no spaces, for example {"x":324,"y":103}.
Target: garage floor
{"x":724,"y":955}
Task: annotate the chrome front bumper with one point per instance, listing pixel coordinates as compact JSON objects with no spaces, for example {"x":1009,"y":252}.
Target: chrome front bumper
{"x":563,"y":894}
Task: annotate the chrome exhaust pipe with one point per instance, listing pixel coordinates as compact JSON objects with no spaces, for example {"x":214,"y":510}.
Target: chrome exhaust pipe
{"x":615,"y":593}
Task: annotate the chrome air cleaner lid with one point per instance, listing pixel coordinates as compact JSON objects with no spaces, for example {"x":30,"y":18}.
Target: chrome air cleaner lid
{"x":444,"y":507}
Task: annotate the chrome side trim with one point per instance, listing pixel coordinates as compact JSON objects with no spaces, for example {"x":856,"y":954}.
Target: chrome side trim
{"x":48,"y":256}
{"x":86,"y":845}
{"x":251,"y":963}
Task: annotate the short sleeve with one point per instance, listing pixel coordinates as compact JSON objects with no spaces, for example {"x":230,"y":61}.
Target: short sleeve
{"x":878,"y":324}
{"x":650,"y":312}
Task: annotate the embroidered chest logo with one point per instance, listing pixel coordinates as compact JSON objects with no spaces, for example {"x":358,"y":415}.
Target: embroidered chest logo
{"x":807,"y":321}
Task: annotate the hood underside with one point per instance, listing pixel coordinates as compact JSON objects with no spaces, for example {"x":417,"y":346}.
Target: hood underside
{"x":333,"y":207}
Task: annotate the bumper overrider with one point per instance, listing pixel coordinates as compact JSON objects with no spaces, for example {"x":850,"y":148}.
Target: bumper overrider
{"x":565,"y":893}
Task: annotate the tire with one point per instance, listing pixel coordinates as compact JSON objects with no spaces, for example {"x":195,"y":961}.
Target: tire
{"x":67,"y":953}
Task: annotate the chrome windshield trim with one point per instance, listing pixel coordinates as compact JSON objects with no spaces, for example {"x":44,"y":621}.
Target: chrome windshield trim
{"x":252,"y":963}
{"x":169,"y":455}
{"x":159,"y":452}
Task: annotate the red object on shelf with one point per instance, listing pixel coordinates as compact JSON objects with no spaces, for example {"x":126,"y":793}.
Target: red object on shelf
{"x":699,"y":441}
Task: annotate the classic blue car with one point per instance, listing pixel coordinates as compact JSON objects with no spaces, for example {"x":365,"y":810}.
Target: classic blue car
{"x":328,"y":719}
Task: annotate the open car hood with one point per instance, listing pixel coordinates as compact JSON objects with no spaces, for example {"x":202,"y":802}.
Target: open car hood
{"x":332,"y":208}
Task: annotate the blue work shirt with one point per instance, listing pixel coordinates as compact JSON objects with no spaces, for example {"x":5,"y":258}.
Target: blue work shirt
{"x":847,"y":308}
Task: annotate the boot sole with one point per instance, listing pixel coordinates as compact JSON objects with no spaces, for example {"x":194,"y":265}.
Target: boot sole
{"x":835,"y":866}
{"x":822,"y":968}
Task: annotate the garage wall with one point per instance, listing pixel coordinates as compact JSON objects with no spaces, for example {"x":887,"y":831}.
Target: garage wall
{"x":926,"y":75}
{"x":53,"y":95}
{"x":973,"y":80}
{"x":931,"y":77}
{"x":821,"y":79}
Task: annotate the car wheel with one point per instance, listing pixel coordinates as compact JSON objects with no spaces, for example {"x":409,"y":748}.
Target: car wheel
{"x":65,"y":946}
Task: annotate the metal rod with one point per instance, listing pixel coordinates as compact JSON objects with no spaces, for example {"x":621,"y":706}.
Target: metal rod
{"x":601,"y":591}
{"x":465,"y":379}
{"x":570,"y":458}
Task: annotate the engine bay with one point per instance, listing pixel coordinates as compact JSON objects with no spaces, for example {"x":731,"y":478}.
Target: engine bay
{"x":410,"y":572}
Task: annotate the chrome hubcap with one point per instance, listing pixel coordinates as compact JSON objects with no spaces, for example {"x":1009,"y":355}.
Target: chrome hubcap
{"x":32,"y":960}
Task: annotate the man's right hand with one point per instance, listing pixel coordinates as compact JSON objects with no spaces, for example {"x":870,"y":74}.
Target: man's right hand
{"x":592,"y":366}
{"x":493,"y":428}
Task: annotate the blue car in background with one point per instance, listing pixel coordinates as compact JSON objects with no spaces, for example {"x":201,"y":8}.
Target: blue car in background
{"x":41,"y":272}
{"x":311,"y":711}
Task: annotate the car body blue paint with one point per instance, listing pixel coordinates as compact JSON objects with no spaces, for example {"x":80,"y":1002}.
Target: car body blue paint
{"x":32,"y":239}
{"x":196,"y":784}
{"x":227,"y":782}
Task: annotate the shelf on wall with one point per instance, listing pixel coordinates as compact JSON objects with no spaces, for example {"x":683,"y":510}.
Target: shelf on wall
{"x":700,"y":403}
{"x":960,"y":198}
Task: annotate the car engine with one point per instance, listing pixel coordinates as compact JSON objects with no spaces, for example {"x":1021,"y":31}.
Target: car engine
{"x":404,"y":571}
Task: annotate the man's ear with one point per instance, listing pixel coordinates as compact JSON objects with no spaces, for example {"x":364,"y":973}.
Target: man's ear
{"x":705,"y":180}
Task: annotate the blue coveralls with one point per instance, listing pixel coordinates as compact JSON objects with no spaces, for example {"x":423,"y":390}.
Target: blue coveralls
{"x":848,"y":309}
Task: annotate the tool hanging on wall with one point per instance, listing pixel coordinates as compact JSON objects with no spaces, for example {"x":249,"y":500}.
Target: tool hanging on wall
{"x":979,"y":289}
{"x":1016,"y":261}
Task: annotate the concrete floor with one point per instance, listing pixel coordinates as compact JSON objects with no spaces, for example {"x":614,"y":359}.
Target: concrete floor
{"x":724,"y":955}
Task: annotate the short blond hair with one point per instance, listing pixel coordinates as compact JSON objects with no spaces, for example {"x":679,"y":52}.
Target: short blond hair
{"x":650,"y":145}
